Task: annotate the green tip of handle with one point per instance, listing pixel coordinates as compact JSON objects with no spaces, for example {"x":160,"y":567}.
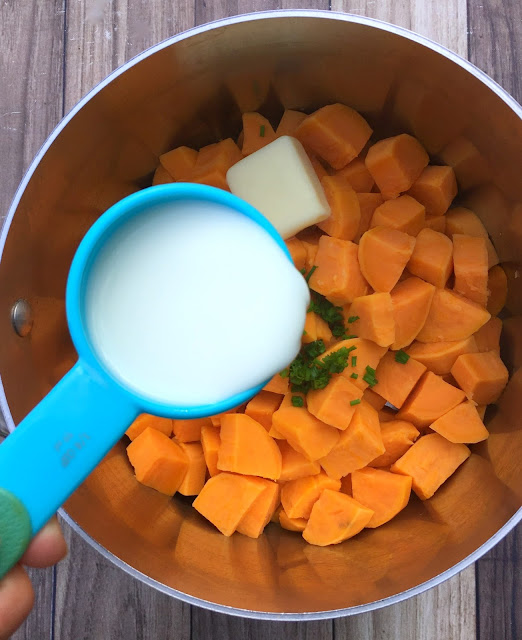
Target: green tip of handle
{"x":15,"y":530}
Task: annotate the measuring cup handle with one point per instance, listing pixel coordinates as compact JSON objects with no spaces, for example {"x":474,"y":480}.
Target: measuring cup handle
{"x":53,"y":450}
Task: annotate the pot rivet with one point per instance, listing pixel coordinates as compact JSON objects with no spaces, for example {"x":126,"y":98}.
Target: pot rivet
{"x":22,"y":317}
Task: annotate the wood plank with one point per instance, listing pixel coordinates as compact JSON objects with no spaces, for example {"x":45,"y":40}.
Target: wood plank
{"x":207,"y":625}
{"x":95,"y":599}
{"x":102,"y":35}
{"x":31,"y":57}
{"x":499,"y":590}
{"x":495,"y":46}
{"x":208,"y":10}
{"x":39,"y":622}
{"x":495,"y":43}
{"x":446,"y":612}
{"x":445,"y":21}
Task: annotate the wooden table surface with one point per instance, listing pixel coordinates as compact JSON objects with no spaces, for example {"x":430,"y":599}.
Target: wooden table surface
{"x":51,"y":53}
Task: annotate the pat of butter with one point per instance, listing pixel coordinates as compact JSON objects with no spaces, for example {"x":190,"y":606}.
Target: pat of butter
{"x":280,"y":182}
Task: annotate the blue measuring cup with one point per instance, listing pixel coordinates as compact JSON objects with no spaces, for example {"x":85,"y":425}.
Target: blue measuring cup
{"x":67,"y":434}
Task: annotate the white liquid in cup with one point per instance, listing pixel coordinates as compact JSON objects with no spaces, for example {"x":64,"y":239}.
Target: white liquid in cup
{"x":191,"y":303}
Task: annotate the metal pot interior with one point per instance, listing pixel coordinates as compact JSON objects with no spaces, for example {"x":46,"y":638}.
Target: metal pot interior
{"x":192,"y":90}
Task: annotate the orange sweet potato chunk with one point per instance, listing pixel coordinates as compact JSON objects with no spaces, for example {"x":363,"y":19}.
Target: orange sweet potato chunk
{"x":375,"y":318}
{"x":345,"y":216}
{"x":387,"y":414}
{"x":374,"y":399}
{"x":211,"y":441}
{"x":461,"y":424}
{"x":338,"y":276}
{"x":194,"y":479}
{"x":431,"y":398}
{"x":366,"y":354}
{"x":465,"y":221}
{"x":358,"y":445}
{"x":368,"y":202}
{"x":298,"y":496}
{"x":319,"y":169}
{"x":189,"y":430}
{"x":213,"y":162}
{"x":216,"y":419}
{"x":179,"y":162}
{"x":253,"y":523}
{"x":357,"y":176}
{"x":335,"y":517}
{"x":304,"y":432}
{"x":468,"y":163}
{"x":257,"y":132}
{"x":346,"y":485}
{"x":470,"y":264}
{"x":452,"y":317}
{"x":411,"y":300}
{"x":288,"y":402}
{"x":439,"y":357}
{"x":226,"y":498}
{"x":385,"y":493}
{"x":435,"y":188}
{"x":311,"y":252}
{"x":277,"y":384}
{"x":430,"y":462}
{"x":294,"y":464}
{"x":487,"y":338}
{"x":146,"y":420}
{"x":262,"y":407}
{"x":297,"y":251}
{"x":397,"y":438}
{"x":403,"y":214}
{"x":316,"y":329}
{"x":395,"y":163}
{"x":161,"y":176}
{"x":395,"y":380}
{"x":332,"y":404}
{"x":336,"y":133}
{"x":158,"y":461}
{"x":435,"y":223}
{"x":383,"y":254}
{"x":247,"y":448}
{"x":432,"y":257}
{"x":291,"y":524}
{"x":482,"y":376}
{"x":497,"y":290}
{"x":289,"y":122}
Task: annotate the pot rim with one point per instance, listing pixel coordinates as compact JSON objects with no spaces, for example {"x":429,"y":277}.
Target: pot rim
{"x":4,"y":407}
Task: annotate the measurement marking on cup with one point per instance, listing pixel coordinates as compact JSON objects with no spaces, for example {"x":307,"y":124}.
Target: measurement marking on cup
{"x":74,"y":444}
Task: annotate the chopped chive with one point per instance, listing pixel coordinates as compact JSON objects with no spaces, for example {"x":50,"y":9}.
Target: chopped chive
{"x":284,"y":373}
{"x":354,"y":376}
{"x":310,"y":273}
{"x":303,"y":270}
{"x":349,"y":337}
{"x":369,"y":376}
{"x":297,"y":401}
{"x":371,"y":381}
{"x":402,"y":357}
{"x":262,"y":131}
{"x":354,"y":402}
{"x":354,"y":361}
{"x":352,"y":348}
{"x":304,"y":333}
{"x":352,"y":319}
